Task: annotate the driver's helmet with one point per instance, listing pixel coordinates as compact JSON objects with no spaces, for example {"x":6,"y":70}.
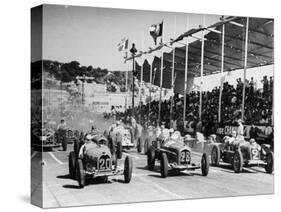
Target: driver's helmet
{"x":252,"y":141}
{"x":225,"y":139}
{"x":171,"y":131}
{"x":89,"y":137}
{"x":165,"y":134}
{"x":234,"y":134}
{"x":187,"y":137}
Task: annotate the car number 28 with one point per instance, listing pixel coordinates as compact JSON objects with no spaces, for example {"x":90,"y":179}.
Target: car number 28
{"x":185,"y":157}
{"x":104,"y":163}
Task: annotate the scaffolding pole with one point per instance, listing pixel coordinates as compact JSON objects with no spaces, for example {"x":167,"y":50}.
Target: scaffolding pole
{"x":245,"y":67}
{"x":222,"y":68}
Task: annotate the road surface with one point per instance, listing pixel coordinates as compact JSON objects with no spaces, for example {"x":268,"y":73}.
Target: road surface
{"x":61,"y":191}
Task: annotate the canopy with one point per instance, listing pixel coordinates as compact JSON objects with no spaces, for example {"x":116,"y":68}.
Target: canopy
{"x":260,"y":50}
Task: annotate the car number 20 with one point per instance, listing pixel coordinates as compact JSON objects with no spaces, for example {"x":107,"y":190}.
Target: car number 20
{"x":104,"y":163}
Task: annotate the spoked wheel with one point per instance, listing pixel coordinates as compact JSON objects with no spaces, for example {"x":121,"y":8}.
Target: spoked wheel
{"x":269,"y":162}
{"x":80,"y":173}
{"x":237,"y":161}
{"x":128,"y":169}
{"x":215,"y":156}
{"x":164,"y":165}
{"x":71,"y":165}
{"x":150,"y":159}
{"x":205,"y":165}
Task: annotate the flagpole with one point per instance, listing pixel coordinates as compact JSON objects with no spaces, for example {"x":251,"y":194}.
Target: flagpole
{"x":161,"y":79}
{"x":222,"y":68}
{"x":201,"y":71}
{"x":185,"y":75}
{"x":172,"y":78}
{"x":245,"y":67}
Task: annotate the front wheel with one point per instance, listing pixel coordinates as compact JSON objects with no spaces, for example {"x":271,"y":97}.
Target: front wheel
{"x":205,"y":164}
{"x":237,"y":161}
{"x":80,"y":173}
{"x":269,"y":162}
{"x":164,"y":165}
{"x":71,"y":165}
{"x":128,"y":169}
{"x":215,"y":156}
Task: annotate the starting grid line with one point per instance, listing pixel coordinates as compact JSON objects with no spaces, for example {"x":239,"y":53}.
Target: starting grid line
{"x":55,"y":158}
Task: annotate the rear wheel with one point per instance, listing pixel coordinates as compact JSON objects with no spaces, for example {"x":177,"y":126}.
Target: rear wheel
{"x":71,"y":165}
{"x":164,"y":165}
{"x":269,"y":162}
{"x":80,"y":173}
{"x":215,"y":156}
{"x":205,"y":165}
{"x":128,"y":169}
{"x":237,"y":161}
{"x":119,"y":150}
{"x":146,"y":146}
{"x":150,"y":159}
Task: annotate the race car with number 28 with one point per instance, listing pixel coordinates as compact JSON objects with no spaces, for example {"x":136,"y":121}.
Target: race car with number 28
{"x":174,"y":154}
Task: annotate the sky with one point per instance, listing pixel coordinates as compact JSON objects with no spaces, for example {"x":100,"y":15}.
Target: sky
{"x":90,"y":35}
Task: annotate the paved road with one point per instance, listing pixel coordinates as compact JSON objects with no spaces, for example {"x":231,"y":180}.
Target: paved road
{"x":60,"y":190}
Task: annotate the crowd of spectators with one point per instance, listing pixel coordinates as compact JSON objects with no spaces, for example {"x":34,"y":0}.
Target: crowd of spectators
{"x":258,"y":107}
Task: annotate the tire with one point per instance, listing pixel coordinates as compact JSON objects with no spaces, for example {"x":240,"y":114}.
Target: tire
{"x":150,"y":159}
{"x":119,"y":150}
{"x":215,"y":156}
{"x":80,"y":173}
{"x":269,"y":162}
{"x":128,"y":169}
{"x":145,"y":146}
{"x":71,"y":165}
{"x":205,"y":164}
{"x":164,"y":165}
{"x":237,"y":161}
{"x":139,"y":145}
{"x":76,"y":147}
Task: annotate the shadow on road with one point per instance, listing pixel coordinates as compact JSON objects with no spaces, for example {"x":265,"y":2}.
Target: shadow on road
{"x":71,"y":186}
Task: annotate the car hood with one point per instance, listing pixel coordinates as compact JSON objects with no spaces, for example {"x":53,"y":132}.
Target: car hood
{"x":175,"y":145}
{"x":93,"y":150}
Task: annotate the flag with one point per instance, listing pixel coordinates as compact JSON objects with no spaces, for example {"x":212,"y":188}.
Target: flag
{"x":123,"y":45}
{"x":156,"y":31}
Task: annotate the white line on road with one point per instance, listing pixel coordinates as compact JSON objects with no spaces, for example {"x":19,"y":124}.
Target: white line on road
{"x":33,"y":154}
{"x":133,"y":156}
{"x":54,"y":157}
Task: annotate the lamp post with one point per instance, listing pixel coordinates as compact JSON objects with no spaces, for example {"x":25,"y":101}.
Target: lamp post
{"x":133,"y":50}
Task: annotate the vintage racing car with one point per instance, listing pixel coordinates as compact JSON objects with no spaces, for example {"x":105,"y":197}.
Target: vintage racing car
{"x":174,"y":153}
{"x":120,"y":137}
{"x":43,"y":138}
{"x":241,"y":153}
{"x":92,"y":158}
